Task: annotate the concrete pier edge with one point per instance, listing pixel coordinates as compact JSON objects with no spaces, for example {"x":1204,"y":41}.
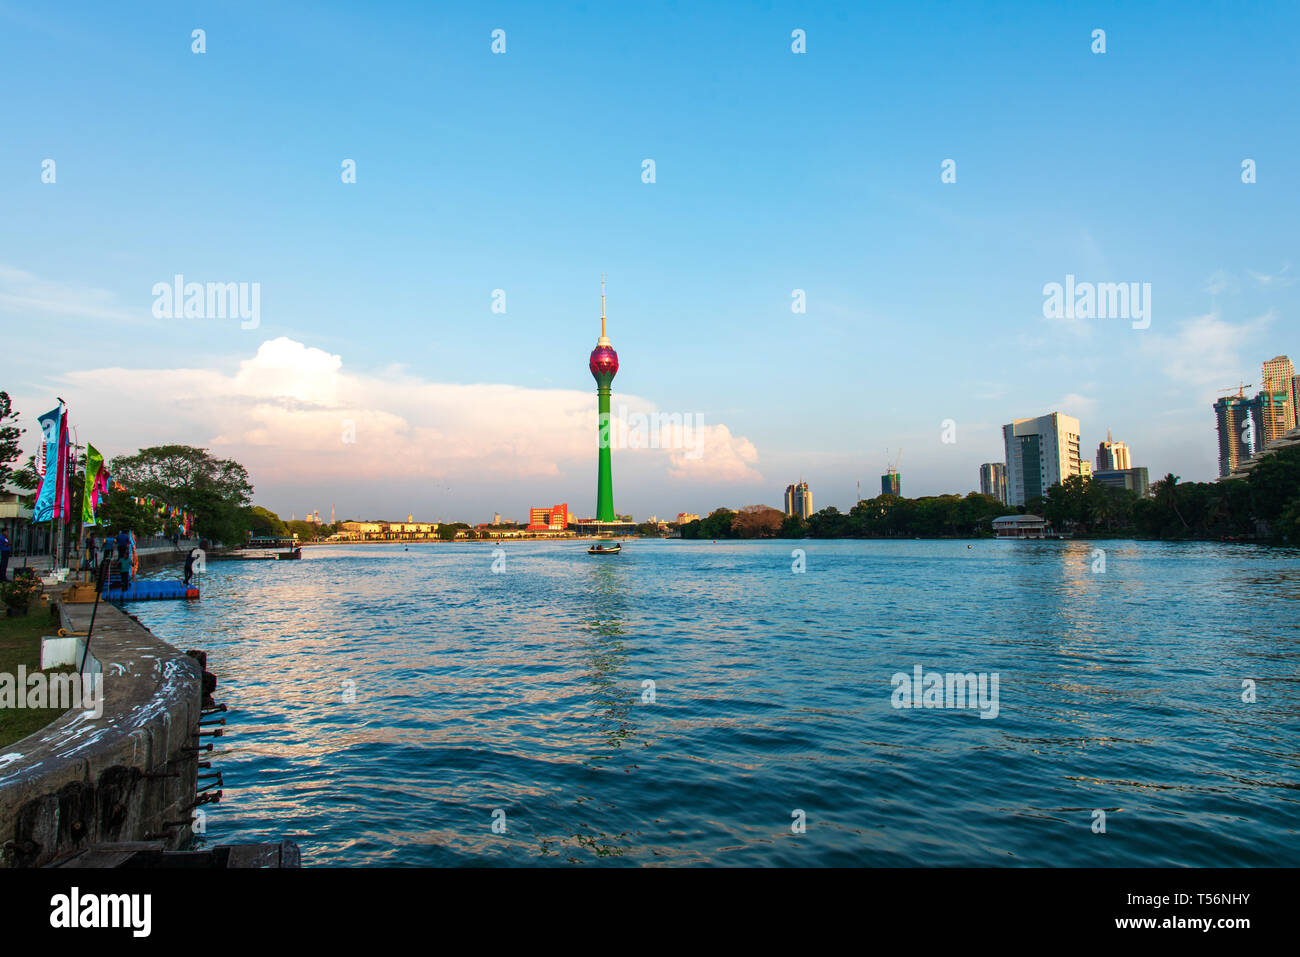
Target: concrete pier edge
{"x":128,"y":775}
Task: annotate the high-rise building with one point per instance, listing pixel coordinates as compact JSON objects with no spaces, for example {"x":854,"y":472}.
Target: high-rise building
{"x":603,"y":364}
{"x":1113,"y":456}
{"x":496,"y":518}
{"x":1085,"y":468}
{"x":1240,"y":422}
{"x":993,"y":480}
{"x":891,"y":483}
{"x":1277,"y":387}
{"x":1040,"y":453}
{"x":798,"y":500}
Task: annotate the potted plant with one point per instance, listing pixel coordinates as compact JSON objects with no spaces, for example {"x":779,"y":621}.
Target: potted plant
{"x":17,"y":595}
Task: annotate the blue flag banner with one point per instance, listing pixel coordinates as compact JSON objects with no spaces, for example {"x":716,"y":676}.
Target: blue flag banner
{"x":51,"y":425}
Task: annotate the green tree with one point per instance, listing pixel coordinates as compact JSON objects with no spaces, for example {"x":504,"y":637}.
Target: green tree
{"x":306,"y":531}
{"x":1287,"y":525}
{"x":10,"y":436}
{"x":829,"y":522}
{"x":1275,"y":483}
{"x":216,"y":491}
{"x":264,"y":523}
{"x":717,"y":524}
{"x":792,"y":526}
{"x":1166,"y":495}
{"x":119,"y":512}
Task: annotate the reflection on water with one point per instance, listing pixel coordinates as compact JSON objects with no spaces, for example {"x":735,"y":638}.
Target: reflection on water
{"x":385,"y":703}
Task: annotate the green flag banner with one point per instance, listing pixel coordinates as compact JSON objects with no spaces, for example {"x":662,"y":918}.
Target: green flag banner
{"x":94,"y":464}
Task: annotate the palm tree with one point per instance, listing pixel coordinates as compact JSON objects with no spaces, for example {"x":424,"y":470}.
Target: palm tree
{"x":1166,"y":496}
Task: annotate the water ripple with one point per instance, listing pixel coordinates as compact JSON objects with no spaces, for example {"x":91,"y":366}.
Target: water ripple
{"x":385,"y":703}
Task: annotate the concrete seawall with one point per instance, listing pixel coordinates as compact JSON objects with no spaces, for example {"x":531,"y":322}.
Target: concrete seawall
{"x":129,"y":775}
{"x":151,"y":556}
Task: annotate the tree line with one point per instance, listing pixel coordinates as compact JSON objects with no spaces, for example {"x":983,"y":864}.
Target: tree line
{"x":1263,"y":506}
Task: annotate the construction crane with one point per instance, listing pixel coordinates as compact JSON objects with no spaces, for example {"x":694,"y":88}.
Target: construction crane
{"x":1240,"y":390}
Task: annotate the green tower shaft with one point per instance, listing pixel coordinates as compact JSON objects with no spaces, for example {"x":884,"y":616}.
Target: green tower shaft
{"x":604,"y":474}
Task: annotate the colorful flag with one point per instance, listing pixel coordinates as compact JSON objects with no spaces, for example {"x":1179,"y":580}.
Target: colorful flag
{"x":101,"y":487}
{"x":52,"y":429}
{"x":63,"y":492}
{"x":90,"y":492}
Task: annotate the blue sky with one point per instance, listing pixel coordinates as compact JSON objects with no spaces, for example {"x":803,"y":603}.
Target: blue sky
{"x":522,"y":172}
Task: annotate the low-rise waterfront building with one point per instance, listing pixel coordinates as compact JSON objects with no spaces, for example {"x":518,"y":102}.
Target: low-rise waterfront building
{"x":1021,"y":526}
{"x":594,"y":526}
{"x":385,"y":531}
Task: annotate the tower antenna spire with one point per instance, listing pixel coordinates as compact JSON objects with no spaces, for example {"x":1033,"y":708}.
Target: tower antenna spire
{"x":605,"y":338}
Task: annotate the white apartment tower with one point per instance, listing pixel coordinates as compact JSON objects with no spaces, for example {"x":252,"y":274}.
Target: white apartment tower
{"x":1040,"y":453}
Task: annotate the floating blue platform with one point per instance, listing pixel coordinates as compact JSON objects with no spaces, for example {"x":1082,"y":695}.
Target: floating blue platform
{"x":152,"y":591}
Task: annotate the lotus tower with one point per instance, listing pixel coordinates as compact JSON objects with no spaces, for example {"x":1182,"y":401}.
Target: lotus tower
{"x":603,"y":365}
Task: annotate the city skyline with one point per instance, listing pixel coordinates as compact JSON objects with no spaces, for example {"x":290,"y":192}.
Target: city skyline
{"x":379,"y":299}
{"x":1113,"y":458}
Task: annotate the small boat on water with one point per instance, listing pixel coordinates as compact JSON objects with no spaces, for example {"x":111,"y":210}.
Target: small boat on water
{"x":605,"y":549}
{"x":268,"y":548}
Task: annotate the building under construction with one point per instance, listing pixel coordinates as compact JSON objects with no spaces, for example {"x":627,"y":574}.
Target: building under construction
{"x":891,"y":483}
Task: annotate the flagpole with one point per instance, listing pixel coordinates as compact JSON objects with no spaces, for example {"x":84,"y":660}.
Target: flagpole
{"x":60,"y":493}
{"x":81,"y":525}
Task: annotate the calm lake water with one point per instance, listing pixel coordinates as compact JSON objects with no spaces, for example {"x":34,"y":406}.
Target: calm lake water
{"x":522,"y":692}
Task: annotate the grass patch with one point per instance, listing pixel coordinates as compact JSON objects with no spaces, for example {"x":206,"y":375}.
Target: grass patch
{"x":20,"y":644}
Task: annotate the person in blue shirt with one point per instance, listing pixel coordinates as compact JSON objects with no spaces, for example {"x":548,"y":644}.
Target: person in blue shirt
{"x":124,"y":556}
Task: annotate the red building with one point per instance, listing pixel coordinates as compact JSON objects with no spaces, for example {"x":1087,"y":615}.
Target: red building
{"x":553,"y":519}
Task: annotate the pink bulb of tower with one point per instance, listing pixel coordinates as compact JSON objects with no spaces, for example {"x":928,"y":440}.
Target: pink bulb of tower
{"x":604,"y":361}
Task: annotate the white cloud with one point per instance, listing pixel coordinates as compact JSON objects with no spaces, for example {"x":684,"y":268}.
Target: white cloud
{"x":1205,"y":353}
{"x":1079,"y":406}
{"x":286,"y":412}
{"x":1279,"y":278}
{"x":21,"y":290}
